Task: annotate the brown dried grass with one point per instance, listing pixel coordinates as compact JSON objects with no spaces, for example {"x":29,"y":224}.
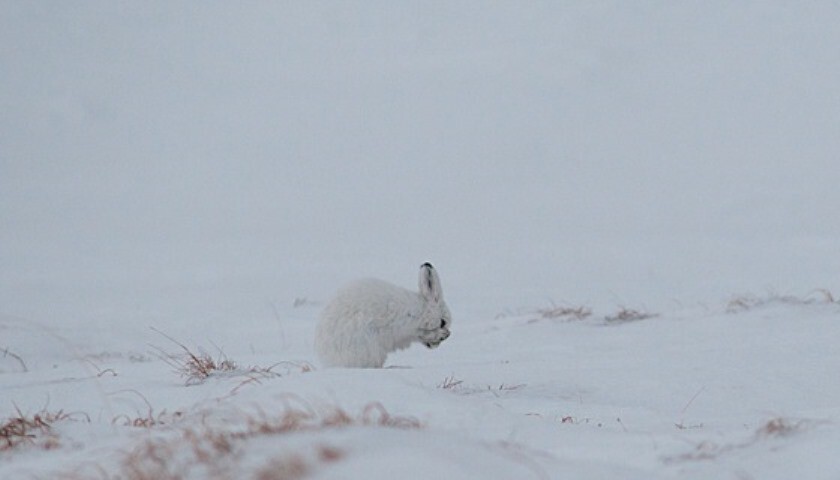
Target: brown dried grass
{"x":450,"y":383}
{"x":565,"y":313}
{"x":743,"y":303}
{"x":624,"y":315}
{"x":35,"y":429}
{"x":774,"y":428}
{"x":197,"y":366}
{"x":216,"y":451}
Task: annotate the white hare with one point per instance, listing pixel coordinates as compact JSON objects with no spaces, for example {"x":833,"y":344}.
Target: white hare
{"x":369,"y":319}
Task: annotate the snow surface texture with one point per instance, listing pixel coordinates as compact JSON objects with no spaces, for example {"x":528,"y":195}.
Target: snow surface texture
{"x":747,"y":390}
{"x":203,"y":168}
{"x":369,"y":319}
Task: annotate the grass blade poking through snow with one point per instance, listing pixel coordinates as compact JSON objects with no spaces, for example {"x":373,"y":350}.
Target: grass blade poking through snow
{"x":7,"y":353}
{"x":195,"y":367}
{"x":198,"y":367}
{"x":22,"y":429}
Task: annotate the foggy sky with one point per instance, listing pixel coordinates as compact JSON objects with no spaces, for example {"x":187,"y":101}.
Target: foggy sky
{"x":186,"y":157}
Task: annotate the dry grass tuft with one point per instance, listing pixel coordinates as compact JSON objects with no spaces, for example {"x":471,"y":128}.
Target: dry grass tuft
{"x":450,"y":383}
{"x":33,"y":430}
{"x":780,"y":427}
{"x":19,"y":430}
{"x":743,"y":303}
{"x":375,"y":414}
{"x":198,"y":367}
{"x":195,"y":367}
{"x":254,"y":375}
{"x":503,"y":388}
{"x":217,"y":451}
{"x":774,"y":428}
{"x":150,"y":419}
{"x":629,"y":315}
{"x":300,"y":416}
{"x":565,"y":313}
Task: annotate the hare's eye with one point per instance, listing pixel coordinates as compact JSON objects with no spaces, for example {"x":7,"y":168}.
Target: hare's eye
{"x":442,"y":323}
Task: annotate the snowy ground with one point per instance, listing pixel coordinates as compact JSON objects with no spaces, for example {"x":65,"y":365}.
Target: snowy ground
{"x":746,"y":390}
{"x":210,"y":172}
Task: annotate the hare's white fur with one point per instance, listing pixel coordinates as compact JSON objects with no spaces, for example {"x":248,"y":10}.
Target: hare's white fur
{"x":369,"y":319}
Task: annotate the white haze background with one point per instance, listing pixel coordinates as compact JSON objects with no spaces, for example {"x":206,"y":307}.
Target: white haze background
{"x":188,"y":160}
{"x":204,"y":167}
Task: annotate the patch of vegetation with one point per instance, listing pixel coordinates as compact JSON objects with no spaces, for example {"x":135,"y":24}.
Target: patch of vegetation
{"x":565,"y":313}
{"x":35,"y":429}
{"x":624,"y":315}
{"x":743,"y":303}
{"x":216,"y":451}
{"x":773,"y":428}
{"x":198,"y":366}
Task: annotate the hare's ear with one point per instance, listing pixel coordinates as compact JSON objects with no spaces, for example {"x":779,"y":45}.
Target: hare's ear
{"x":430,"y":283}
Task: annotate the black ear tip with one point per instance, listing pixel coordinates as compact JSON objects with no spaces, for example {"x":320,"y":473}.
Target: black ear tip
{"x":427,"y":265}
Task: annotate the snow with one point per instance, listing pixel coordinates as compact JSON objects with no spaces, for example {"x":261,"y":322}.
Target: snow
{"x":686,"y":394}
{"x":214,"y":173}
